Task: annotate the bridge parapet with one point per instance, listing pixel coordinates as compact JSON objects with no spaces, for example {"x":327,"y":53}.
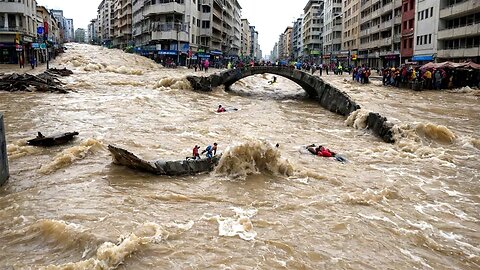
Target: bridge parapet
{"x":328,"y":96}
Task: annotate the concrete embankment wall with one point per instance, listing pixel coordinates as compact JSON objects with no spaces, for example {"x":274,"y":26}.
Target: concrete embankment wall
{"x":327,"y":95}
{"x":3,"y":154}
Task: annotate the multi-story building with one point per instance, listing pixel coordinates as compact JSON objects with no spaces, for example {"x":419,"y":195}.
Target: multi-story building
{"x":105,"y":17}
{"x":288,"y":37}
{"x":313,"y":30}
{"x":92,"y":32}
{"x":297,"y":39}
{"x":80,"y":36}
{"x":122,"y":23}
{"x":426,"y":30}
{"x":380,"y":32}
{"x":58,"y":15}
{"x":281,"y":47}
{"x":51,"y":34}
{"x":187,"y":30}
{"x":69,"y":34}
{"x":458,"y":30}
{"x":351,"y":29}
{"x":255,"y":47}
{"x":332,"y":31}
{"x":274,"y":53}
{"x":18,"y":29}
{"x":246,"y":38}
{"x":408,"y":30}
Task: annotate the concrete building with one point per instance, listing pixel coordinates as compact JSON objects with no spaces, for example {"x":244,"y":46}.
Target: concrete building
{"x":122,"y":23}
{"x":458,"y":30}
{"x":190,"y":30}
{"x":92,"y":32}
{"x":58,"y":15}
{"x":274,"y":53}
{"x":313,"y":30}
{"x":351,"y":30}
{"x":80,"y":36}
{"x":246,"y":38}
{"x":18,"y":30}
{"x":426,"y":30}
{"x":332,"y":31}
{"x":255,"y":47}
{"x":105,"y":17}
{"x":408,"y":30}
{"x":69,"y":30}
{"x":380,"y":33}
{"x":297,"y":39}
{"x":287,"y":44}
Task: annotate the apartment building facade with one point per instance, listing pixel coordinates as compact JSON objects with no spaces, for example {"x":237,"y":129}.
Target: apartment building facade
{"x":458,"y":30}
{"x":245,"y":39}
{"x":18,"y":30}
{"x":313,"y":28}
{"x":380,"y":33}
{"x":332,"y":31}
{"x":351,"y":30}
{"x":69,"y":33}
{"x":122,"y":23}
{"x":297,"y":39}
{"x":407,"y":44}
{"x":188,"y":29}
{"x":426,"y":30}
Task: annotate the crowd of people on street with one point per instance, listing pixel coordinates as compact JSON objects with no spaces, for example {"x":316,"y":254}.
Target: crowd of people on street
{"x":429,"y":78}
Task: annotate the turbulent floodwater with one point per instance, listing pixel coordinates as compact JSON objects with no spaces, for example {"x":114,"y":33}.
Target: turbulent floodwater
{"x":410,"y":205}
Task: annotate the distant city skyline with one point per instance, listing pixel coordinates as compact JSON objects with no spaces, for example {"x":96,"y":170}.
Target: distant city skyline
{"x":270,"y":17}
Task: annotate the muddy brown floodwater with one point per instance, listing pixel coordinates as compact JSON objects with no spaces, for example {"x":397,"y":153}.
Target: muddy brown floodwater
{"x":409,"y":205}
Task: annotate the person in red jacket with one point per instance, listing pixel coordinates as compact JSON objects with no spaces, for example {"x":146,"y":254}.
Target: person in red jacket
{"x":324,"y":152}
{"x":221,"y":109}
{"x":196,"y":155}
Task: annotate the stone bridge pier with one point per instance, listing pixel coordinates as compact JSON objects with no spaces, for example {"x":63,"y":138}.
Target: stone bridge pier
{"x":329,"y":97}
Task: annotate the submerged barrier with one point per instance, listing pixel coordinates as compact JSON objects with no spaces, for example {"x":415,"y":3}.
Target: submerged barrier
{"x":3,"y":154}
{"x":328,"y":96}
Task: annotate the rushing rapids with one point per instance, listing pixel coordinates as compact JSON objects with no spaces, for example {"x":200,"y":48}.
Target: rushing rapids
{"x":409,"y":205}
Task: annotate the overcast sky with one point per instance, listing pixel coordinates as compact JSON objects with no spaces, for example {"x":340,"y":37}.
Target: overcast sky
{"x":270,"y":17}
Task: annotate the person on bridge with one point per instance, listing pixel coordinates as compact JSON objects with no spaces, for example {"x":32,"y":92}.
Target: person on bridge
{"x":221,"y":109}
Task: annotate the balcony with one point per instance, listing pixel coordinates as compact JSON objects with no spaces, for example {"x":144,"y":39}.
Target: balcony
{"x":13,"y":7}
{"x":459,"y":53}
{"x":164,"y":8}
{"x":460,"y":32}
{"x":470,"y":6}
{"x":170,"y":35}
{"x":12,"y":30}
{"x":206,"y":32}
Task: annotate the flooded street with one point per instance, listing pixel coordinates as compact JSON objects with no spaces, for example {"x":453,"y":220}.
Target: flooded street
{"x":409,"y":205}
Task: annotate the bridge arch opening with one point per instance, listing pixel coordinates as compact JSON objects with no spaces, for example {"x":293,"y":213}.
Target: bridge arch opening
{"x":268,"y":86}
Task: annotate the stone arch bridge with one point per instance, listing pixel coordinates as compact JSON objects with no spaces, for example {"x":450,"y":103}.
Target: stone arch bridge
{"x":328,"y":96}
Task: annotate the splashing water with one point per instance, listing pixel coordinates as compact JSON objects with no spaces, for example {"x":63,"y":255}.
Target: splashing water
{"x":253,"y":157}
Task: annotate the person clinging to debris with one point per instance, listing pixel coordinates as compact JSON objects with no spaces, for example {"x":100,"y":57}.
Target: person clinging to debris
{"x":211,"y":151}
{"x":196,"y":155}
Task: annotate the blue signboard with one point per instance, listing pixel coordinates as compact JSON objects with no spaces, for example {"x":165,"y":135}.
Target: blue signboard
{"x":35,"y":45}
{"x":203,"y":55}
{"x":215,"y":52}
{"x":40,"y":30}
{"x":167,"y":52}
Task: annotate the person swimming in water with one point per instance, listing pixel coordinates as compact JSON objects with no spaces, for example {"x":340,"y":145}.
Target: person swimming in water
{"x":324,"y":152}
{"x":273,"y":81}
{"x":221,"y":109}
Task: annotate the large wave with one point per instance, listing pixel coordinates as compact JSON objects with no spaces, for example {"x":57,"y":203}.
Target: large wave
{"x":252,"y":157}
{"x":68,"y":156}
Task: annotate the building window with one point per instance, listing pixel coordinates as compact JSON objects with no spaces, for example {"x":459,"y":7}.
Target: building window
{"x":430,"y":39}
